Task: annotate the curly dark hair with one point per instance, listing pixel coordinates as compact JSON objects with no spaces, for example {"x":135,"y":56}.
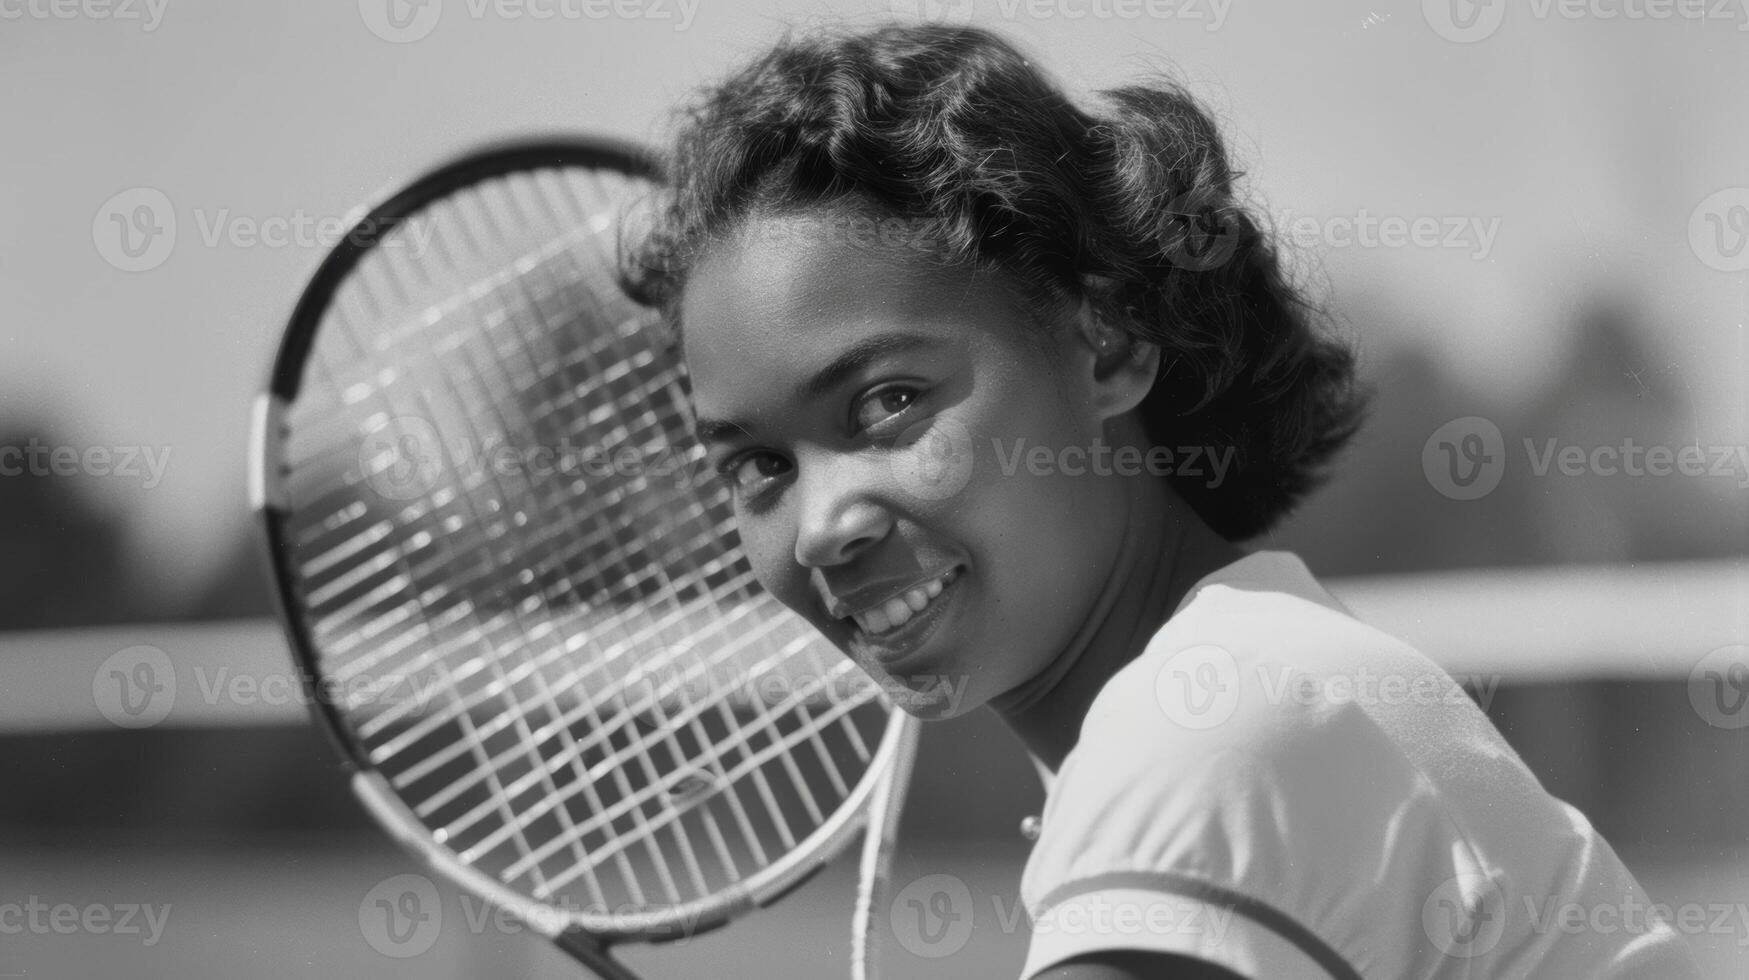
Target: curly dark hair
{"x":1131,"y":209}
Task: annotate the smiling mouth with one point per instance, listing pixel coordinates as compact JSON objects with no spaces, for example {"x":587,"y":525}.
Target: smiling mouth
{"x":893,"y":628}
{"x":893,"y":614}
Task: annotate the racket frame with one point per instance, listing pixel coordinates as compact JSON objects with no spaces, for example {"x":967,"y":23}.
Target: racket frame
{"x":882,"y":785}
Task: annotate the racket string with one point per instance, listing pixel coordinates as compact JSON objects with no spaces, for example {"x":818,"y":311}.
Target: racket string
{"x":537,"y":605}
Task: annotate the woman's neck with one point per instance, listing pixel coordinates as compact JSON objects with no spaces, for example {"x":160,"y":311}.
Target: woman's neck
{"x":1164,"y":550}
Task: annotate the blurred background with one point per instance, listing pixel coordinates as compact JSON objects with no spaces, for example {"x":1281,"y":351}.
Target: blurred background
{"x":1534,"y":221}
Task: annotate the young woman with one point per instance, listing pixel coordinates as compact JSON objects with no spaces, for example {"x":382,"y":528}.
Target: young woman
{"x":999,"y":383}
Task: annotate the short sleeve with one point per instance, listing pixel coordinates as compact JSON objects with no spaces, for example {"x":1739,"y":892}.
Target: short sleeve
{"x":1216,"y":807}
{"x":1260,"y":843}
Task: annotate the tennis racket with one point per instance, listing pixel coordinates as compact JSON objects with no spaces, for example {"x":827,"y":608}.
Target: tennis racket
{"x":516,"y":599}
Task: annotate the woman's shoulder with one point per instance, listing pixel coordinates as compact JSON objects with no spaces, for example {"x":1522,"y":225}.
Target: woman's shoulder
{"x":1266,"y":749}
{"x":1258,"y":652}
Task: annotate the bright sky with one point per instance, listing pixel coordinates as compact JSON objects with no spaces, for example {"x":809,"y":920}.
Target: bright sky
{"x":1573,"y":153}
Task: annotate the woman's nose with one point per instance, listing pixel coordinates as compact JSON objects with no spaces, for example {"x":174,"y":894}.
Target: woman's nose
{"x":840,"y":512}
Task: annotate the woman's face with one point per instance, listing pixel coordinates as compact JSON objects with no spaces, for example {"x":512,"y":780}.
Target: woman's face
{"x":881,"y":420}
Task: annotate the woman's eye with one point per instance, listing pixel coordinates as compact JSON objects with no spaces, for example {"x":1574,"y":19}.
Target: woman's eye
{"x":878,"y":406}
{"x":750,"y":472}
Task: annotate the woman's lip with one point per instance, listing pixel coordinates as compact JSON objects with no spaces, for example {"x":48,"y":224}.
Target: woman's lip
{"x":893,"y":647}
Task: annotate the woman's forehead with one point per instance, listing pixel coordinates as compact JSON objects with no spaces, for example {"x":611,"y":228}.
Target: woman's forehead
{"x":771,"y":308}
{"x":769,"y":290}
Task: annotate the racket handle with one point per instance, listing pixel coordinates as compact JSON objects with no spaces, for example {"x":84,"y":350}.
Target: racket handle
{"x":877,"y":848}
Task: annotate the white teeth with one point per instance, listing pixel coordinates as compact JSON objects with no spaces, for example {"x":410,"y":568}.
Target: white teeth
{"x":897,"y":611}
{"x":873,"y":621}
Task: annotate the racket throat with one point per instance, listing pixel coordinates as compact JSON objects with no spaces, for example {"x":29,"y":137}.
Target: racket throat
{"x":591,"y":951}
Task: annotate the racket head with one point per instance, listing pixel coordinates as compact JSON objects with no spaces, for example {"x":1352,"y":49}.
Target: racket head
{"x":561,"y":687}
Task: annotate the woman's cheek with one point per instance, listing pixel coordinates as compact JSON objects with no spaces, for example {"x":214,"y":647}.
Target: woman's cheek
{"x":773,"y":563}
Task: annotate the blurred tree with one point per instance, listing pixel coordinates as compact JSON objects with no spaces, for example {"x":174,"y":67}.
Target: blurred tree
{"x":238,"y":588}
{"x":1618,"y":397}
{"x":61,"y":557}
{"x":1379,"y":514}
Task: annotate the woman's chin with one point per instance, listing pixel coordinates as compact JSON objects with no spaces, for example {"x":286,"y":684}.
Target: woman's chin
{"x":929,"y":697}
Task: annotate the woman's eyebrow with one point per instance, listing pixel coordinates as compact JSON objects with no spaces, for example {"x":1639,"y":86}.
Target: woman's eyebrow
{"x":858,"y":356}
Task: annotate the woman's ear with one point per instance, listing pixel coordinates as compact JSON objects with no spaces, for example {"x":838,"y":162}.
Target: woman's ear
{"x":1120,"y":368}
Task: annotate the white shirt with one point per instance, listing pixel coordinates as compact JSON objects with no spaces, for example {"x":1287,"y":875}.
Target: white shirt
{"x":1280,"y":789}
